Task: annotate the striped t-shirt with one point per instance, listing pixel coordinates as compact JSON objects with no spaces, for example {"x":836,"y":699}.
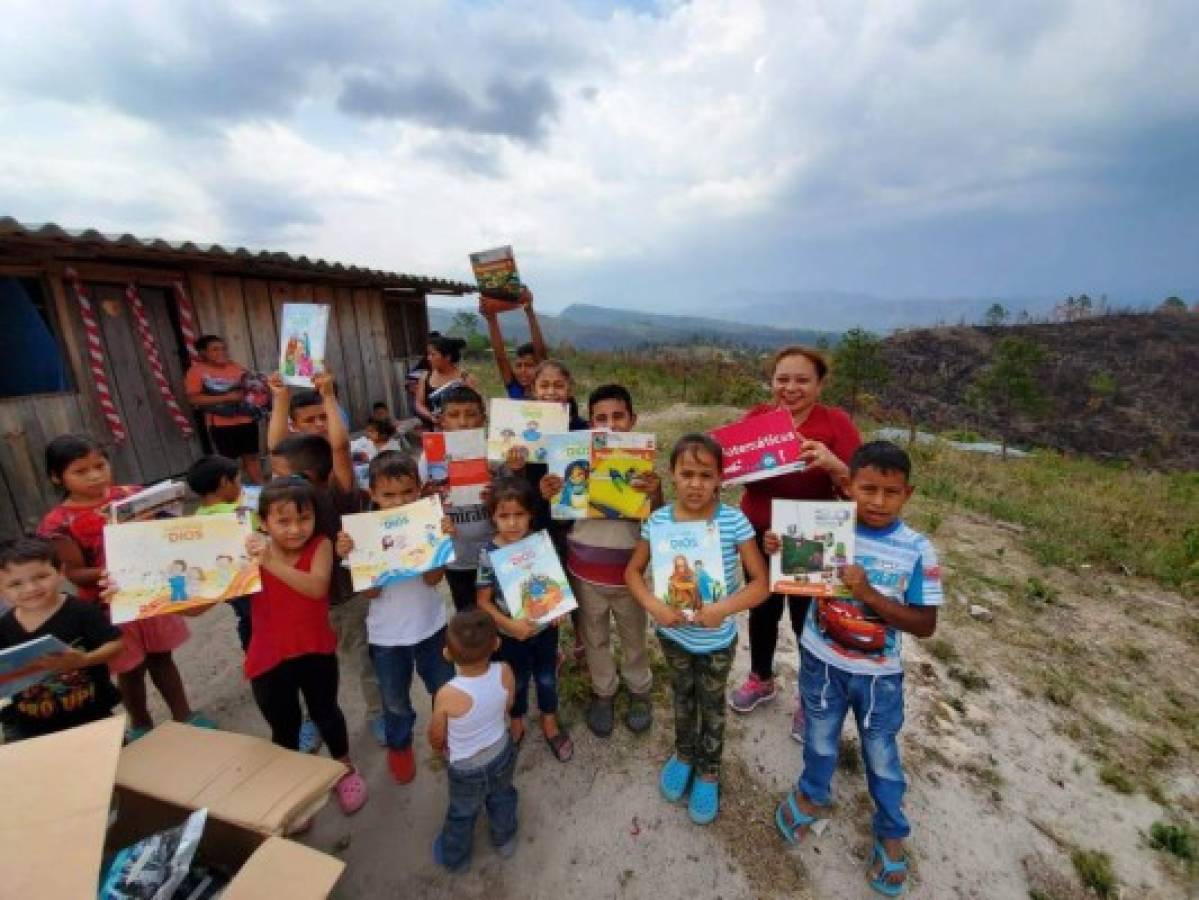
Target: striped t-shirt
{"x":901,"y":564}
{"x":734,"y":531}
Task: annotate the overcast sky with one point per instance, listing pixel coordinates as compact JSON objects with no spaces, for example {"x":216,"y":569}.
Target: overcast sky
{"x":648,"y":154}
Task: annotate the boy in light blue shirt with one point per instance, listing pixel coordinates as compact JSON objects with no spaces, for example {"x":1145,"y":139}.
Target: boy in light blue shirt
{"x":850,"y":658}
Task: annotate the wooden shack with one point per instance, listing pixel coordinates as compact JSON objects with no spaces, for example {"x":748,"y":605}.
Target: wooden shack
{"x":378,"y":327}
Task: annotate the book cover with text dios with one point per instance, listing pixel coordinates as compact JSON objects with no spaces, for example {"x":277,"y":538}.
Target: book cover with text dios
{"x":523,"y":423}
{"x":687,"y":564}
{"x":762,"y":446}
{"x":531,"y":578}
{"x":395,"y":544}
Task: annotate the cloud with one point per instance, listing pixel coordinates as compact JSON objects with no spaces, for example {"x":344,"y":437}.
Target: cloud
{"x":517,"y":108}
{"x":661,"y":146}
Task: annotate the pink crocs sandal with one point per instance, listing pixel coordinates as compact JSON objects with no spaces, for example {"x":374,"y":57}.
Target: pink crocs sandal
{"x":351,"y":793}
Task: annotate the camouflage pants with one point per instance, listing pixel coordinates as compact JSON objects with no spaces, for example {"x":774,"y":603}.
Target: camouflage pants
{"x":699,"y":682}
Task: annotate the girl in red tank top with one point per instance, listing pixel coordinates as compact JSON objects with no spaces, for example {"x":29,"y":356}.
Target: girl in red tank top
{"x":293,"y":649}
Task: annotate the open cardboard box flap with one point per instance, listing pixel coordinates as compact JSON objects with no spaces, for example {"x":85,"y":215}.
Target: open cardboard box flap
{"x":242,"y":780}
{"x":58,"y":791}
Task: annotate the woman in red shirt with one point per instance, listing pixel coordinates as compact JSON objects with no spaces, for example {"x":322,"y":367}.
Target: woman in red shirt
{"x":797,"y":378}
{"x":213,"y":381}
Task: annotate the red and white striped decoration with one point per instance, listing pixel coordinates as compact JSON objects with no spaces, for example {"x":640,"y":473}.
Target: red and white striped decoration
{"x":95,"y":359}
{"x":187,"y":320}
{"x":150,"y":346}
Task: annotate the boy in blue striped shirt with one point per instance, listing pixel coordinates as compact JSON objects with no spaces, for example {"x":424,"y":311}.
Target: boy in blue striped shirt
{"x":700,"y":649}
{"x":850,"y":658}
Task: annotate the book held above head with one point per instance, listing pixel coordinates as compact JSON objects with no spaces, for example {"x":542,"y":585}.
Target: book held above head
{"x":759,"y":446}
{"x":302,"y":336}
{"x":523,"y":424}
{"x":170,"y":565}
{"x":816,"y":539}
{"x":495,"y":271}
{"x":395,"y":544}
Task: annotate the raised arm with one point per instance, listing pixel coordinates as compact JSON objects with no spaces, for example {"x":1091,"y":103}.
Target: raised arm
{"x":339,"y":435}
{"x":488,"y":309}
{"x":276,"y":429}
{"x":535,"y":335}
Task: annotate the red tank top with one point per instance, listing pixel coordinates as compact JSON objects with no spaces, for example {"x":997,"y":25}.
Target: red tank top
{"x":285,"y":623}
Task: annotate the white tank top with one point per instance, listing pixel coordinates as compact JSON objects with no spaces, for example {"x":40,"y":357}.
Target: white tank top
{"x":484,"y":723}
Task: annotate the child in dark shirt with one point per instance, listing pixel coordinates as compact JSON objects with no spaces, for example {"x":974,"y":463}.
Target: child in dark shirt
{"x":78,"y":689}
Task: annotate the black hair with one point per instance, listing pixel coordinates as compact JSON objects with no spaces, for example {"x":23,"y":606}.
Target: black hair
{"x":65,"y":449}
{"x":300,"y":399}
{"x":385,"y":427}
{"x":882,"y":455}
{"x":693,"y":442}
{"x":461,"y":393}
{"x":206,"y":474}
{"x":610,"y":392}
{"x":307,"y":454}
{"x":392,"y":464}
{"x":379,"y":404}
{"x":510,"y":487}
{"x":204,"y":341}
{"x":293,"y":489}
{"x":471,"y":636}
{"x":526,"y":349}
{"x":27,"y":550}
{"x":449,"y":347}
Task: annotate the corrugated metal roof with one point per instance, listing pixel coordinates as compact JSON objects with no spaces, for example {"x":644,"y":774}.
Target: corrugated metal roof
{"x":88,"y":243}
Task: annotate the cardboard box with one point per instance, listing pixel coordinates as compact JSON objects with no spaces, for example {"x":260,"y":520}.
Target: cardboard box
{"x":58,"y":792}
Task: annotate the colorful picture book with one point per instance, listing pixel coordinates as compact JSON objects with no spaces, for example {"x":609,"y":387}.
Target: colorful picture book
{"x":169,"y":565}
{"x":523,"y":423}
{"x":597,"y":469}
{"x":759,"y":447}
{"x":817,"y":539}
{"x":568,"y":455}
{"x":395,"y":544}
{"x":162,"y":500}
{"x":687,"y":565}
{"x":302,"y":335}
{"x":19,"y":665}
{"x":532,"y":580}
{"x":458,"y":459}
{"x":495,"y":271}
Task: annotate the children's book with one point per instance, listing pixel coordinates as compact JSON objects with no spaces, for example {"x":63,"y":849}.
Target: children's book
{"x":169,"y":565}
{"x":159,"y":501}
{"x":19,"y":667}
{"x":616,"y":459}
{"x":531,"y":578}
{"x":523,"y":423}
{"x":249,"y":499}
{"x":687,"y":565}
{"x":495,"y":271}
{"x":759,"y":447}
{"x":817,"y":539}
{"x":568,"y":455}
{"x":458,"y":459}
{"x":302,"y":333}
{"x":395,"y":544}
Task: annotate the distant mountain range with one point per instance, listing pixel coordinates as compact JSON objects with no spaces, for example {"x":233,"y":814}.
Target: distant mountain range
{"x":605,"y":328}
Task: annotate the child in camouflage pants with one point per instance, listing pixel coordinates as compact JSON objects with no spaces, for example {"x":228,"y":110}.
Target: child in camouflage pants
{"x":699,"y":647}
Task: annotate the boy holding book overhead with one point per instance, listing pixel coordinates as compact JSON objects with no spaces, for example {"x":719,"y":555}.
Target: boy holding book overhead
{"x":598,"y":550}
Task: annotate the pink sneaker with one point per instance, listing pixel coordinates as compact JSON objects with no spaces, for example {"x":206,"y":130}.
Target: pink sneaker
{"x":754,"y":691}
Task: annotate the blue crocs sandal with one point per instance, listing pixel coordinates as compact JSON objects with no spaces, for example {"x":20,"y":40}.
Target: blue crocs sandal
{"x":799,"y":819}
{"x":135,"y":734}
{"x":675,"y":777}
{"x":199,"y":720}
{"x":705,"y":801}
{"x":890,"y":867}
{"x":310,"y":738}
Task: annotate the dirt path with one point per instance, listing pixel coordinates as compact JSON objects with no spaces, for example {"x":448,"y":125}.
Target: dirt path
{"x":1003,"y":787}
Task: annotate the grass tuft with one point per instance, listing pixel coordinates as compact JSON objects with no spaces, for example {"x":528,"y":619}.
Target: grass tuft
{"x":1095,"y":871}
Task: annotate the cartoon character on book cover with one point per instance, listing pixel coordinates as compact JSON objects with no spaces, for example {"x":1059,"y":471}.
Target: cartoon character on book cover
{"x":169,"y":565}
{"x":617,"y":459}
{"x":395,"y":544}
{"x":524,"y":423}
{"x":569,"y":457}
{"x":302,"y":342}
{"x":532,"y":581}
{"x":688,"y":568}
{"x":817,"y":540}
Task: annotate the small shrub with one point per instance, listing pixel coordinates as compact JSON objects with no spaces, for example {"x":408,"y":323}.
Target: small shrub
{"x":942,"y":649}
{"x":1094,"y":870}
{"x":969,"y":679}
{"x":1117,"y":779}
{"x":1038,"y":592}
{"x":1058,"y":689}
{"x":1177,"y":840}
{"x":1135,"y":653}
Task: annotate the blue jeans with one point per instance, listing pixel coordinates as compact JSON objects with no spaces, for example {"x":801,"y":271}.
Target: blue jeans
{"x":829,"y":694}
{"x":394,"y":667}
{"x":535,"y":659}
{"x":489,"y":785}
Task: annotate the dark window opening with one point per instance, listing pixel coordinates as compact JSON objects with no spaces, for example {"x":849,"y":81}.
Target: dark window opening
{"x":29,"y":343}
